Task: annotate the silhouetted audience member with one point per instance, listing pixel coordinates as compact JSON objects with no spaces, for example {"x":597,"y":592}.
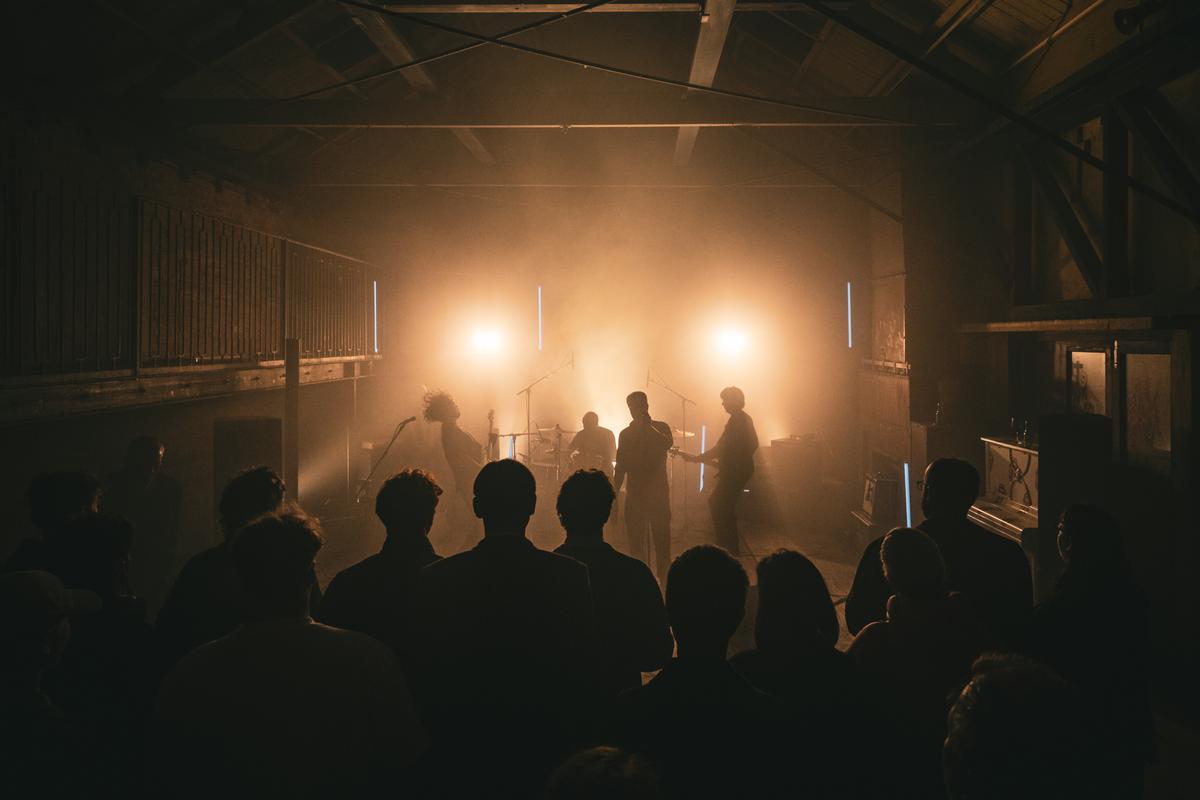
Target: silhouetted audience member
{"x":631,"y":619}
{"x":710,"y":732}
{"x":373,"y":596}
{"x":150,"y":499}
{"x":1094,"y":631}
{"x":796,"y":633}
{"x":1017,"y":731}
{"x":914,"y":659}
{"x":54,"y":498}
{"x":504,"y":635}
{"x":42,"y":753}
{"x":990,"y":571}
{"x":603,"y":773}
{"x":109,"y":672}
{"x":284,"y":706}
{"x":207,"y":600}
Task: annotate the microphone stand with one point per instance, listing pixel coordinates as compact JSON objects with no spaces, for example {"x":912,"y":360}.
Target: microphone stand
{"x":683,"y":402}
{"x":528,"y":392}
{"x":362,"y":487}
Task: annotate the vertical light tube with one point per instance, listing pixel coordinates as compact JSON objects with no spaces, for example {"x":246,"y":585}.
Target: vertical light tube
{"x":849,"y":319}
{"x":539,"y":319}
{"x":375,"y":312}
{"x":907,"y":499}
{"x":703,"y":446}
{"x":512,"y":447}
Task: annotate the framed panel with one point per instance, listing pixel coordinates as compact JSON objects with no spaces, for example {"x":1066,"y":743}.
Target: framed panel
{"x":1087,"y":392}
{"x":1147,"y":410}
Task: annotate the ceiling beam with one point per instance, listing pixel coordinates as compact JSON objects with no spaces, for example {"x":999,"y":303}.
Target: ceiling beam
{"x":710,"y":44}
{"x":562,"y":112}
{"x":610,"y":8}
{"x":257,"y":22}
{"x":1148,"y":117}
{"x":396,"y":50}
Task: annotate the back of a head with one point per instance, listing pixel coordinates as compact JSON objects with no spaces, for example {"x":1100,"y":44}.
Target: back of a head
{"x":794,"y":605}
{"x":252,"y":493}
{"x":1017,"y":730}
{"x":706,"y":595}
{"x":603,"y":773}
{"x":951,"y":486}
{"x":92,"y":553}
{"x":734,"y":397}
{"x":637,"y":401}
{"x":274,"y":555}
{"x":591,"y":419}
{"x":1091,"y":544}
{"x":407,"y":501}
{"x":144,"y":453}
{"x":585,"y":501}
{"x":913,"y":565}
{"x":505,"y":494}
{"x":56,"y":497}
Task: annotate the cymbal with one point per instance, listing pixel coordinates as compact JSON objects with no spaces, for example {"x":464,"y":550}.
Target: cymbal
{"x":555,"y":430}
{"x":685,"y":434}
{"x":554,"y":451}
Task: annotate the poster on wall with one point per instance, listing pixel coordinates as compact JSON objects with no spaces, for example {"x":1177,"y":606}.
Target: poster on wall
{"x":1088,"y":382}
{"x":1148,"y":410}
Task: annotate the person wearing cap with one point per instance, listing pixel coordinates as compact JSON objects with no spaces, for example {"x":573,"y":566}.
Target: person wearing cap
{"x":36,"y":740}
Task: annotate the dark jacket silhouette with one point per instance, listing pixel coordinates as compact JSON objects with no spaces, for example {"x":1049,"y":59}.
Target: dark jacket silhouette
{"x":373,"y":596}
{"x":503,"y":637}
{"x":206,"y":602}
{"x":631,"y":620}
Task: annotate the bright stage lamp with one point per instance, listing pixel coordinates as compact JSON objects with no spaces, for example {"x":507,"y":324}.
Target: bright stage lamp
{"x":486,"y":342}
{"x":731,"y":342}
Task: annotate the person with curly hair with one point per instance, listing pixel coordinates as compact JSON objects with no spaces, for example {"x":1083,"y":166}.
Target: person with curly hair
{"x":464,"y":454}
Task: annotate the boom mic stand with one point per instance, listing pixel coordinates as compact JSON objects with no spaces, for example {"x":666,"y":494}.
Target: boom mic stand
{"x":683,"y":403}
{"x":528,"y":392}
{"x":362,"y":487}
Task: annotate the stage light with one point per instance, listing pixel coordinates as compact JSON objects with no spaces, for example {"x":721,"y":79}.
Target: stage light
{"x":375,"y":312}
{"x":539,"y":319}
{"x":849,"y":319}
{"x":907,"y":499}
{"x":487,"y":341}
{"x":703,"y":445}
{"x":730,"y":341}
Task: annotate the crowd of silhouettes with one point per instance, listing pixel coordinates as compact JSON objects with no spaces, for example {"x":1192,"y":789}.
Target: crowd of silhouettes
{"x":506,"y":671}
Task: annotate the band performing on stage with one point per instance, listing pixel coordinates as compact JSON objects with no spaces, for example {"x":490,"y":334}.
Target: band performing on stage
{"x":636,"y":462}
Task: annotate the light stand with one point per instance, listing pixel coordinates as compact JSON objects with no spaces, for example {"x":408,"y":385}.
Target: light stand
{"x":683,"y":403}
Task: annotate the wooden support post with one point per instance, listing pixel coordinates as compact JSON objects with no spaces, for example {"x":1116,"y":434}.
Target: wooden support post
{"x":1116,"y":205}
{"x":1022,"y":245}
{"x":1069,"y":225}
{"x":291,"y":417}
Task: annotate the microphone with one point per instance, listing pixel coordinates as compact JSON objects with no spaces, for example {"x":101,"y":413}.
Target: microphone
{"x":405,"y":422}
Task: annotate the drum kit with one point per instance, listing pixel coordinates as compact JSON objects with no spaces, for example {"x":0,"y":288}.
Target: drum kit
{"x":551,"y":458}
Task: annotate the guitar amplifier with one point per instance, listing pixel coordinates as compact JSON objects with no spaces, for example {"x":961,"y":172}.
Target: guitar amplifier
{"x":881,"y":500}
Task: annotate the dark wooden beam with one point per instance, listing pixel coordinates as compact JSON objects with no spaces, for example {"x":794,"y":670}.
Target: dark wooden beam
{"x":1116,"y":206}
{"x":1067,"y":221}
{"x":257,"y":22}
{"x":1145,"y":114}
{"x":710,"y":44}
{"x":1022,"y":244}
{"x":395,"y":48}
{"x":671,"y":6}
{"x":555,"y":111}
